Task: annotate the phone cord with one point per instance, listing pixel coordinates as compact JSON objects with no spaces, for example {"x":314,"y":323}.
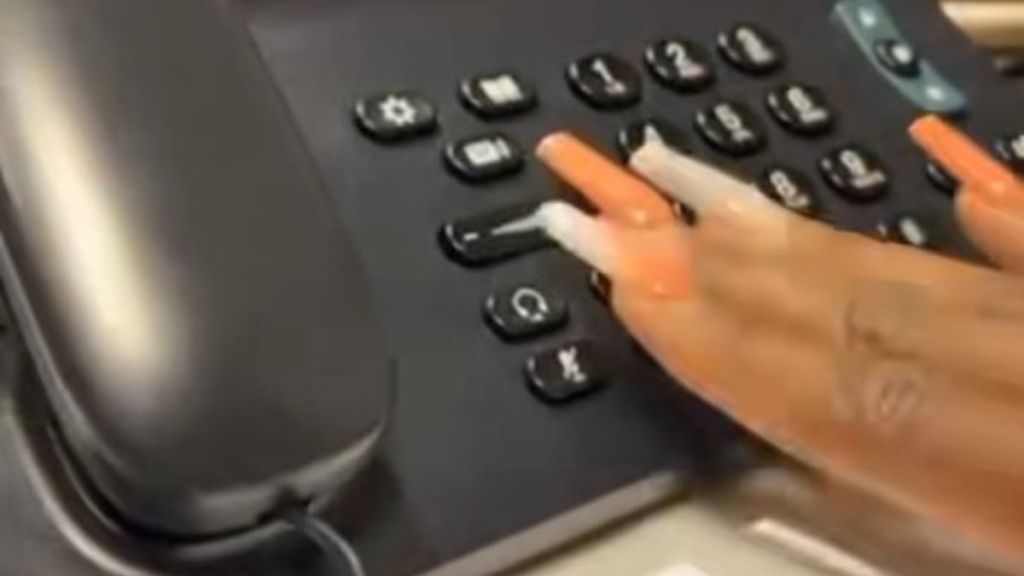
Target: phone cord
{"x":332,"y":543}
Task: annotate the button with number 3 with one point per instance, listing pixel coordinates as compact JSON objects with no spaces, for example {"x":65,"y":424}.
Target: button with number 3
{"x":605,"y":81}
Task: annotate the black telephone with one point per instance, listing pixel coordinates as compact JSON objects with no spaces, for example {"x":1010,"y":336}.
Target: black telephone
{"x":230,"y":229}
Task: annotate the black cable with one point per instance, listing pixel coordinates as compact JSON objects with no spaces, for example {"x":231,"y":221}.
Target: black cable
{"x":341,"y":552}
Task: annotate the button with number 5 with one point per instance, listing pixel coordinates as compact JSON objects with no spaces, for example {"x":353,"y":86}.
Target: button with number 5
{"x":605,"y":81}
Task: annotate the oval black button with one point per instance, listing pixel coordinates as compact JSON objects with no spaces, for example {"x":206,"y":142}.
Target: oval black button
{"x":898,"y":56}
{"x":680,"y":64}
{"x":1010,"y":150}
{"x":751,"y":49}
{"x":605,"y":81}
{"x":732,"y":128}
{"x":636,"y":134}
{"x":905,"y":229}
{"x":525,"y":311}
{"x":940,"y":178}
{"x":497,"y":95}
{"x":395,"y":116}
{"x":484,"y":158}
{"x":800,"y":109}
{"x":856,"y":173}
{"x":789,"y":188}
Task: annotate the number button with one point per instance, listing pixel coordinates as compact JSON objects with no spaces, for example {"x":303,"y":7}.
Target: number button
{"x":789,"y":188}
{"x":732,"y":128}
{"x":750,"y":49}
{"x":680,"y":65}
{"x":905,"y":229}
{"x":605,"y":81}
{"x":525,"y":311}
{"x":636,"y":134}
{"x":1010,"y":150}
{"x":800,"y":109}
{"x":856,"y":173}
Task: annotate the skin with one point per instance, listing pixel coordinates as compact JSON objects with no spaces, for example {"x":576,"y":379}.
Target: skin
{"x":892,"y":368}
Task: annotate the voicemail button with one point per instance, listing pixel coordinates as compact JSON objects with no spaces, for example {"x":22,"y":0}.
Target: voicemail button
{"x":564,"y":373}
{"x":484,"y":158}
{"x":525,"y":311}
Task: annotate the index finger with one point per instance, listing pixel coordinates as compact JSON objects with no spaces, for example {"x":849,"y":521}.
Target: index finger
{"x":615,"y":192}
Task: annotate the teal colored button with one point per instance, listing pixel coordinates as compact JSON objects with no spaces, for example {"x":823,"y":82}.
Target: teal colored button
{"x":871,"y":25}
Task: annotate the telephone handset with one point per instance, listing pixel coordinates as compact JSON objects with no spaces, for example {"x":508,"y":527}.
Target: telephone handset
{"x":196,"y":313}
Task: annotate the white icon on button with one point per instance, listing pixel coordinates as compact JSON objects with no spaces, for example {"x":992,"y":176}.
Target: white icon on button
{"x":502,"y":89}
{"x":397,"y":111}
{"x":487,"y":152}
{"x":530,"y":305}
{"x":571,"y":370}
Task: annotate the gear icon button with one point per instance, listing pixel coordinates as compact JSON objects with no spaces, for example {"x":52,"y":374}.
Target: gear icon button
{"x":395,"y":116}
{"x":398,"y":111}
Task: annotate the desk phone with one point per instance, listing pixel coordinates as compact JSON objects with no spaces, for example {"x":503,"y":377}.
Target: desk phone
{"x":524,"y":416}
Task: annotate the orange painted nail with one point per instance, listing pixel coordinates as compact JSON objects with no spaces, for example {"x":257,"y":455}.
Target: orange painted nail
{"x":978,"y":172}
{"x":615,"y":192}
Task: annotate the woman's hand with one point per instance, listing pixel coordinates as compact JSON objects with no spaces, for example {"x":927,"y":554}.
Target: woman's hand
{"x":887,"y":366}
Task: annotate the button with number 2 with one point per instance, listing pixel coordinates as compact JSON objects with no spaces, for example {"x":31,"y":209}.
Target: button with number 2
{"x":680,"y":65}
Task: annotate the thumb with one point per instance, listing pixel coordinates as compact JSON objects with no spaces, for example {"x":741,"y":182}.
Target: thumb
{"x":996,"y":231}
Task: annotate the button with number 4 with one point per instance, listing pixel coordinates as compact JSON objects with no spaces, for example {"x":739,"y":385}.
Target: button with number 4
{"x":524,"y":311}
{"x":680,"y":64}
{"x":789,"y":188}
{"x":605,"y":81}
{"x":564,"y":373}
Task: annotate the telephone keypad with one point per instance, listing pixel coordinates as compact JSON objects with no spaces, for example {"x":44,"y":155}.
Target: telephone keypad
{"x":605,"y":81}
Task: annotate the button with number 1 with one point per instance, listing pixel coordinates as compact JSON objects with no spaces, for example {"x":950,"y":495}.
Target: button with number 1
{"x":605,"y":81}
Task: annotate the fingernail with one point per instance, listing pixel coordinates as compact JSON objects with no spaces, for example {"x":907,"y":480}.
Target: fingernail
{"x":979,"y":173}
